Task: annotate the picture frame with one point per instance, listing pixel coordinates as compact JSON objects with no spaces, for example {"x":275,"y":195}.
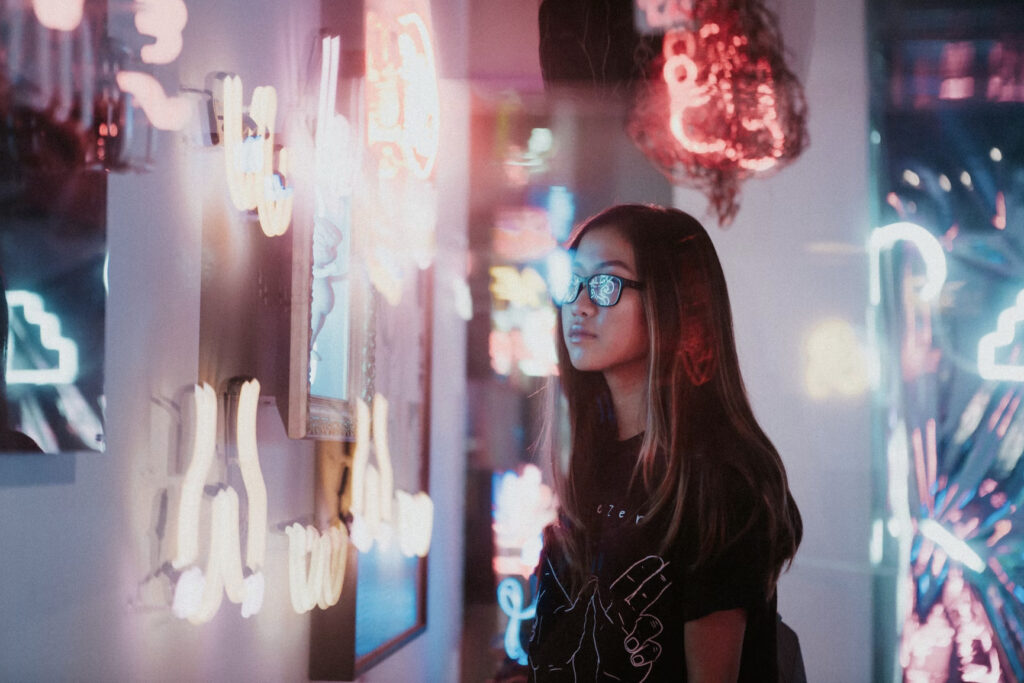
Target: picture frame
{"x":383,"y":603}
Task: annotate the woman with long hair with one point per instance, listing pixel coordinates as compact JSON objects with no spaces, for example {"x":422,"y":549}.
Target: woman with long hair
{"x":675,"y":512}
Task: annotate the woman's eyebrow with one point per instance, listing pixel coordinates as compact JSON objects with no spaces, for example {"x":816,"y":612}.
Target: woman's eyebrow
{"x":605,"y":264}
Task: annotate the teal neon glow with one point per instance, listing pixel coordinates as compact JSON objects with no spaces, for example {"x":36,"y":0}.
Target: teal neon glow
{"x":1002,"y":337}
{"x":929,"y":247}
{"x":35,"y":313}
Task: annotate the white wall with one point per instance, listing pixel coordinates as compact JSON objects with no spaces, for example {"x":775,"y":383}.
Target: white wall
{"x":782,"y":284}
{"x":78,"y":533}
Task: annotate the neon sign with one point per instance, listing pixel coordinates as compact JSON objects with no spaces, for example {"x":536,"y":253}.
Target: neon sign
{"x":198,"y":594}
{"x":1002,"y":337}
{"x":249,"y":157}
{"x":523,"y":323}
{"x":317,"y":583}
{"x":510,"y":599}
{"x":404,"y":107}
{"x":927,"y":245}
{"x":164,"y":20}
{"x":35,"y":313}
{"x":165,"y":113}
{"x":374,"y":499}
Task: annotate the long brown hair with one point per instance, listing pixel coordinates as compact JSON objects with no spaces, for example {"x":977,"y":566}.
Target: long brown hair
{"x":698,"y":418}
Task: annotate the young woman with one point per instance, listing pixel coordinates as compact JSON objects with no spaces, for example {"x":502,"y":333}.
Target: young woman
{"x":675,"y":512}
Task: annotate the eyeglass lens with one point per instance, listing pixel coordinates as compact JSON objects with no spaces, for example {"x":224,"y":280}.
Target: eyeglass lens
{"x":603,"y":289}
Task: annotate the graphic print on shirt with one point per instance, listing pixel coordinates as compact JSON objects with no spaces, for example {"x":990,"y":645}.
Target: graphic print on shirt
{"x":622,"y":620}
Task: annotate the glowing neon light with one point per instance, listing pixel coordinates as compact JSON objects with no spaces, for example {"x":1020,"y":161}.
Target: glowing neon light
{"x":374,"y":498}
{"x":523,"y":506}
{"x":680,"y":74}
{"x":462,"y":298}
{"x":203,"y":447}
{"x":954,"y":547}
{"x":404,"y":107}
{"x":198,"y":594}
{"x":1002,"y":337}
{"x":35,"y":313}
{"x":510,"y":599}
{"x":318,"y":583}
{"x":59,"y":15}
{"x":165,"y":113}
{"x":252,"y":476}
{"x":927,"y":245}
{"x":163,"y":20}
{"x":249,"y":158}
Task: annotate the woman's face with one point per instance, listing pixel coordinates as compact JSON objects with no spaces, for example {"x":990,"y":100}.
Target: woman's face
{"x":607,"y":339}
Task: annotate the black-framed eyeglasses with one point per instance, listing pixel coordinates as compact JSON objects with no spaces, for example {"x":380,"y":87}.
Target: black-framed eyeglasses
{"x":604,"y":289}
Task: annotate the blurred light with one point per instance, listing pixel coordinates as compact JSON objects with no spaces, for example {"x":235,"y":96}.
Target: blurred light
{"x":164,"y":20}
{"x":965,"y":178}
{"x":33,"y":310}
{"x":957,"y":549}
{"x":876,"y":137}
{"x":836,"y":363}
{"x":995,"y":154}
{"x":1002,"y":337}
{"x":165,"y":113}
{"x":403,"y":110}
{"x":559,"y":268}
{"x":911,"y":178}
{"x":944,"y":182}
{"x":927,"y":245}
{"x":518,"y":287}
{"x":462,"y":298}
{"x":877,"y":542}
{"x":541,"y":141}
{"x":999,"y":220}
{"x":59,"y":15}
{"x":561,"y":211}
{"x":522,"y":505}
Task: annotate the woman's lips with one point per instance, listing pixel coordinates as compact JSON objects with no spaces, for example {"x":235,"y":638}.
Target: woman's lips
{"x":578,"y":334}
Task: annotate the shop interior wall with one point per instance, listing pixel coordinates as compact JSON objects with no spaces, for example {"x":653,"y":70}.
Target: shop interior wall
{"x":77,"y":531}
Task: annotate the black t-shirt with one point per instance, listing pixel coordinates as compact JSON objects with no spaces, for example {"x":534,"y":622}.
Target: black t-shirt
{"x":626,"y":622}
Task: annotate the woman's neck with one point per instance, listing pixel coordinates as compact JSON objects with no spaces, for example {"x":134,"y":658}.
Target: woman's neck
{"x":627,"y":390}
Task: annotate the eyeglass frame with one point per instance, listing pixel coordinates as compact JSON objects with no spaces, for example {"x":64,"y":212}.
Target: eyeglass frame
{"x":585,"y":282}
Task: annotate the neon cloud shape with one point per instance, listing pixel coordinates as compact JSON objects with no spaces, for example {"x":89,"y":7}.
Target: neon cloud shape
{"x":35,"y":313}
{"x":927,"y":244}
{"x":1002,"y":337}
{"x":163,"y":20}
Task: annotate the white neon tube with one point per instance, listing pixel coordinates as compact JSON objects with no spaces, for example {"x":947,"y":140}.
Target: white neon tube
{"x":203,"y":446}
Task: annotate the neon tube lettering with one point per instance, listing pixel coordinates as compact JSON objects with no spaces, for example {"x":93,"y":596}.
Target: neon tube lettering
{"x":510,"y":599}
{"x":374,"y":497}
{"x":927,"y":245}
{"x":249,"y":158}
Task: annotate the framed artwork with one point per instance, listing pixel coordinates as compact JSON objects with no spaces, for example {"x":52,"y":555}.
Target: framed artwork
{"x":383,"y":603}
{"x":378,"y":484}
